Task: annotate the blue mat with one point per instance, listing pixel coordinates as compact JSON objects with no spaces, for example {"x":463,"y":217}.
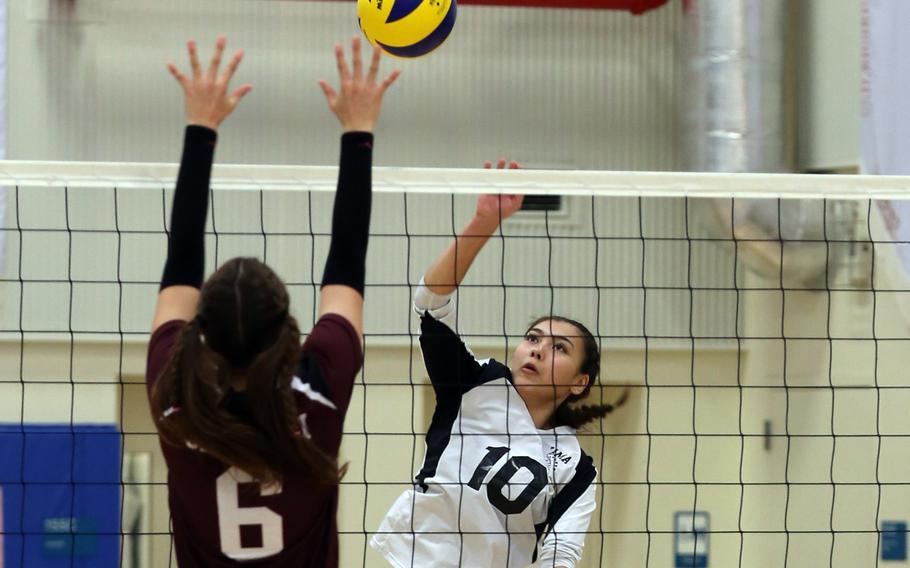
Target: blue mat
{"x":68,"y":476}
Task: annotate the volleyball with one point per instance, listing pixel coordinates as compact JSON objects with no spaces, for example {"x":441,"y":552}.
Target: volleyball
{"x":406,"y":28}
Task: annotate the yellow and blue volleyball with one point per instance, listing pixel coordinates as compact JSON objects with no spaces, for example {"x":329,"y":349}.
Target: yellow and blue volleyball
{"x":406,"y":28}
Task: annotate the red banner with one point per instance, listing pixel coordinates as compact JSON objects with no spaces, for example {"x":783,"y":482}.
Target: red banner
{"x":634,"y":6}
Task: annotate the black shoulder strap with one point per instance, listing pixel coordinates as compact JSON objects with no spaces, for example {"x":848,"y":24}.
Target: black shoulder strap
{"x":585,"y":473}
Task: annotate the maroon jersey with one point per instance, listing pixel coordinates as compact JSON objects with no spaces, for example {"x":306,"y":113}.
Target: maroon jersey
{"x":221,"y":517}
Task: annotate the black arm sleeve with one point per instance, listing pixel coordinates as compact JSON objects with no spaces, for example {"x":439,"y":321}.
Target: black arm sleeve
{"x":346,"y":263}
{"x":451,"y":366}
{"x":185,"y":262}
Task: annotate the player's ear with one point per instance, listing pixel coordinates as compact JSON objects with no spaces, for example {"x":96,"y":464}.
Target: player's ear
{"x":580,"y":384}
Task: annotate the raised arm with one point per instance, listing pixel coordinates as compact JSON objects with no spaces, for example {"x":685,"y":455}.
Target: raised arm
{"x":357,"y":105}
{"x":208,"y":102}
{"x":451,"y":365}
{"x":444,"y":275}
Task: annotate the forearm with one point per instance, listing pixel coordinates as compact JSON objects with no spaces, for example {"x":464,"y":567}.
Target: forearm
{"x":185,"y":264}
{"x":565,"y":539}
{"x":444,"y":275}
{"x":346,"y":262}
{"x":562,"y":559}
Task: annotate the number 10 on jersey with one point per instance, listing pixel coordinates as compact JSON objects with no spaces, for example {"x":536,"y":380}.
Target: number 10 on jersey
{"x":504,"y":475}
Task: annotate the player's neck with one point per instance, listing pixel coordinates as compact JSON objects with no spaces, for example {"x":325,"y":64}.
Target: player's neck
{"x":541,"y":413}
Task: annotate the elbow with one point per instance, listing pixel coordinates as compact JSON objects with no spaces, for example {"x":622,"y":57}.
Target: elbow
{"x":564,"y":555}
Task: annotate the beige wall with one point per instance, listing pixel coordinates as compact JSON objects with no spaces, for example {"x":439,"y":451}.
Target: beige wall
{"x":386,"y":421}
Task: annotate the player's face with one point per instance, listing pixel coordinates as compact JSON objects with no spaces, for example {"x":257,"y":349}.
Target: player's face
{"x":546,"y":363}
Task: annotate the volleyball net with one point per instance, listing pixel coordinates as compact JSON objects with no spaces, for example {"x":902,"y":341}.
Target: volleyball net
{"x":759,"y":324}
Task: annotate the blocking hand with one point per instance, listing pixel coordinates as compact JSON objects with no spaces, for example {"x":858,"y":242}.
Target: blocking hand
{"x":206,"y":95}
{"x":358,"y":102}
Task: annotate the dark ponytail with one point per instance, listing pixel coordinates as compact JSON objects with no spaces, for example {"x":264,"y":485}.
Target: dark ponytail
{"x":243,"y":332}
{"x":567,"y":413}
{"x":577,"y":416}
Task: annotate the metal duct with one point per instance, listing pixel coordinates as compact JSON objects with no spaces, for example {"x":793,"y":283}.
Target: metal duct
{"x":734,"y":68}
{"x":735,"y":121}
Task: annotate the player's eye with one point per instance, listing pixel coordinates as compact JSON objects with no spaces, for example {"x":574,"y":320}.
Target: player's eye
{"x":531,"y":338}
{"x":560,"y":347}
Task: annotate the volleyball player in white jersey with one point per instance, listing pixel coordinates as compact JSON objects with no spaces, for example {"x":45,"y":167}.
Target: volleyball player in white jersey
{"x":504,"y":482}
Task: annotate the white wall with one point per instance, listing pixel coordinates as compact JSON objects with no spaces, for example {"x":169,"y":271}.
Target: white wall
{"x":89,"y":261}
{"x":582,"y":89}
{"x":828,"y":43}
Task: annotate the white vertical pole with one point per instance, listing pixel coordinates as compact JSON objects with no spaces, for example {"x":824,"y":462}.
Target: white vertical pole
{"x":3,"y":190}
{"x":3,"y":111}
{"x":885,"y":120}
{"x":886,"y":87}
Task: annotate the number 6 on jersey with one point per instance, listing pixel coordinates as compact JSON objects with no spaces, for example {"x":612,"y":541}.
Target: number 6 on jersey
{"x":232,"y":518}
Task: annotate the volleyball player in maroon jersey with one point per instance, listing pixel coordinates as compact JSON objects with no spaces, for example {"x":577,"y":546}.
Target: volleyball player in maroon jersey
{"x":249,"y":420}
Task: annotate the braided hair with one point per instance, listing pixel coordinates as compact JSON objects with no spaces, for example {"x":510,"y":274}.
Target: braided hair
{"x":243,"y":334}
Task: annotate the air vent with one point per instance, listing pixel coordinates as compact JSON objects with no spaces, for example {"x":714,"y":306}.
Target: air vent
{"x":549,"y":203}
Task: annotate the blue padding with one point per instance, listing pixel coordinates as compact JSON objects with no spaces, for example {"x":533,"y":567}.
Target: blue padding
{"x":68,"y":478}
{"x":894,"y":540}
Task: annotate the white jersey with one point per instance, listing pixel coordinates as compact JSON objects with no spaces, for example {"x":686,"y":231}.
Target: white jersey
{"x":494,"y":490}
